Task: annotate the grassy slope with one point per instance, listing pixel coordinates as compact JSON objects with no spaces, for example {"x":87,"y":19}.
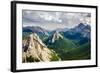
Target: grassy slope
{"x":67,"y":50}
{"x":62,"y":46}
{"x":80,"y":53}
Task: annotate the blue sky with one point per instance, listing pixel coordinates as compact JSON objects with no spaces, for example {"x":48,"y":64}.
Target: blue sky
{"x":52,"y":20}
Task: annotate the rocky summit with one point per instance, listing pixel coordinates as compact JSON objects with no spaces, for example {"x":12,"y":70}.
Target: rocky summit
{"x":34,"y":50}
{"x":56,"y":36}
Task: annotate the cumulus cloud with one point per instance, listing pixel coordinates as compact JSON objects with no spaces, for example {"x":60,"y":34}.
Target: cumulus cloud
{"x":50,"y":18}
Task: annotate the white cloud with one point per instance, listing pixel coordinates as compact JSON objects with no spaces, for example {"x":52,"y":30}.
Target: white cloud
{"x":56,"y":19}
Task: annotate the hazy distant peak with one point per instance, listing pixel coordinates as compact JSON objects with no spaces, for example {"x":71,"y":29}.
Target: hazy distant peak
{"x":81,"y":24}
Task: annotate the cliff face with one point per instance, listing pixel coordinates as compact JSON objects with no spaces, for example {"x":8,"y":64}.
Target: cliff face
{"x":34,"y":50}
{"x":56,"y":36}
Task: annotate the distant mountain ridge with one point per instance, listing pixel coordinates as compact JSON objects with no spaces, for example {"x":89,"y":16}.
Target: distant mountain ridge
{"x":82,"y":30}
{"x":35,"y":29}
{"x":79,"y":32}
{"x":61,"y":29}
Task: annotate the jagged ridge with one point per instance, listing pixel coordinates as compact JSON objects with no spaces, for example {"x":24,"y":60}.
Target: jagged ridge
{"x":34,"y":50}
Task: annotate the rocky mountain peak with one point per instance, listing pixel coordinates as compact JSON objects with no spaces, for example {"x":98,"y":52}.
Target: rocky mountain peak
{"x":81,"y":25}
{"x":34,"y":50}
{"x":56,"y":36}
{"x":34,"y":37}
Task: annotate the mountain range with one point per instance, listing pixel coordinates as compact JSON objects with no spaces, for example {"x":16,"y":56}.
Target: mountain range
{"x":35,"y":29}
{"x":64,"y":44}
{"x":81,"y":30}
